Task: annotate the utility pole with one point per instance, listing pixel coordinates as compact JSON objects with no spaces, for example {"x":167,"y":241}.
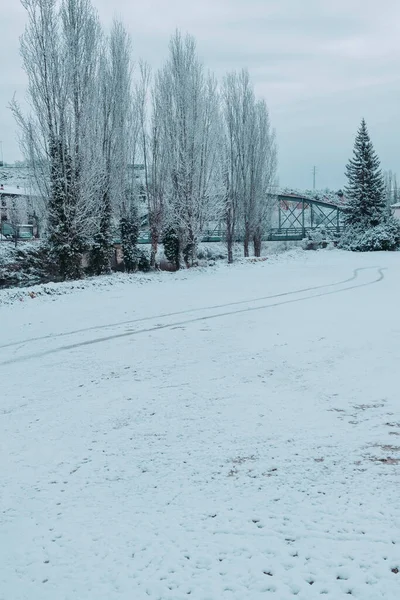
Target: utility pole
{"x":314,"y":176}
{"x":1,"y":154}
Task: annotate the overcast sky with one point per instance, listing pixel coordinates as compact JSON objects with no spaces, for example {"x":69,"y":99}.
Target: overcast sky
{"x":321,"y":65}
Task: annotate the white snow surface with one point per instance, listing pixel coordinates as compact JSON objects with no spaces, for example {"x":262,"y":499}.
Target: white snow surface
{"x":225,"y":433}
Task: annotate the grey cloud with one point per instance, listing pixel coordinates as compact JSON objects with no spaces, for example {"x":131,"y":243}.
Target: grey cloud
{"x":321,"y":66}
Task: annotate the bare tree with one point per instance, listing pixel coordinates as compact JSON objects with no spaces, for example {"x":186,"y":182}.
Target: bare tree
{"x":396,"y":195}
{"x":264,"y":176}
{"x":154,"y":152}
{"x":230,"y":163}
{"x":123,"y":134}
{"x":114,"y":120}
{"x":388,"y":176}
{"x":78,"y":137}
{"x":391,"y":188}
{"x":250,"y":162}
{"x":59,"y":51}
{"x":189,"y":115}
{"x":40,"y":55}
{"x":240,"y":126}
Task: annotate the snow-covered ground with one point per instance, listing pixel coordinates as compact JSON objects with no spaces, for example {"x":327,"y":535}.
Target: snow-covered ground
{"x":225,"y":433}
{"x":209,"y":255}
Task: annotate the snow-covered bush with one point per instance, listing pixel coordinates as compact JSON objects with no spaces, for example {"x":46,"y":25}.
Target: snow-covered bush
{"x":385,"y":236}
{"x":212,"y":252}
{"x":171,"y":246}
{"x":143,"y":262}
{"x":26,"y":265}
{"x":129,"y":230}
{"x":319,"y":238}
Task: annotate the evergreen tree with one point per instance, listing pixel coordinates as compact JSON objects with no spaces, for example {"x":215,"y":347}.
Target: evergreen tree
{"x":65,"y":243}
{"x":172,"y":246}
{"x":100,"y":251}
{"x":365,"y":191}
{"x":129,"y":226}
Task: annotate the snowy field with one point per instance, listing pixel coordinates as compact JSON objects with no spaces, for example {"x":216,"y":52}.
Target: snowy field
{"x":231,"y":433}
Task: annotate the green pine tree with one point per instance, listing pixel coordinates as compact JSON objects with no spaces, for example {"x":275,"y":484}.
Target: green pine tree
{"x":100,"y":251}
{"x":365,"y":191}
{"x":64,"y":241}
{"x":172,"y":246}
{"x":129,"y":227}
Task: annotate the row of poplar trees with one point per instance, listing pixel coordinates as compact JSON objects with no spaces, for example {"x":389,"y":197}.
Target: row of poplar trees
{"x":208,"y":148}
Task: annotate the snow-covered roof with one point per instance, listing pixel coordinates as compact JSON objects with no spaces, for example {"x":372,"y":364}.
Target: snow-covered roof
{"x":13,"y":190}
{"x":397,"y":205}
{"x":326,"y":196}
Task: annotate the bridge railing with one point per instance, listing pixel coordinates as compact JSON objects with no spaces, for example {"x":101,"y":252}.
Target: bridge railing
{"x":274,"y":234}
{"x":210,"y":235}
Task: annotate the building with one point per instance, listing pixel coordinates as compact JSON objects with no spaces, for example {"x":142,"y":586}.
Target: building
{"x":396,"y":210}
{"x":17,"y":214}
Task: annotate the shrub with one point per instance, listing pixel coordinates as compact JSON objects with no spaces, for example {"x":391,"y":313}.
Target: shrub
{"x":27,"y":265}
{"x":143,"y":262}
{"x":129,"y":229}
{"x":99,"y":255}
{"x":319,"y":238}
{"x":212,"y":252}
{"x":171,"y":246}
{"x":188,"y":253}
{"x":385,"y":236}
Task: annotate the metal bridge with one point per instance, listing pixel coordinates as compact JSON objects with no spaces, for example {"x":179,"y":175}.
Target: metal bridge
{"x":294,"y":218}
{"x":297,"y":216}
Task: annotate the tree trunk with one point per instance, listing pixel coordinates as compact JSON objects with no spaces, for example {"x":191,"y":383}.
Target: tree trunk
{"x":230,"y":232}
{"x":191,"y":257}
{"x":230,"y":249}
{"x":246,"y":241}
{"x":180,"y":261}
{"x":154,"y":247}
{"x":230,"y":236}
{"x":257,"y":245}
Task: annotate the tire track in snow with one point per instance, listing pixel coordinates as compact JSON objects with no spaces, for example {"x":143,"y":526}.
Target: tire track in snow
{"x":159,"y":327}
{"x":183,"y":312}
